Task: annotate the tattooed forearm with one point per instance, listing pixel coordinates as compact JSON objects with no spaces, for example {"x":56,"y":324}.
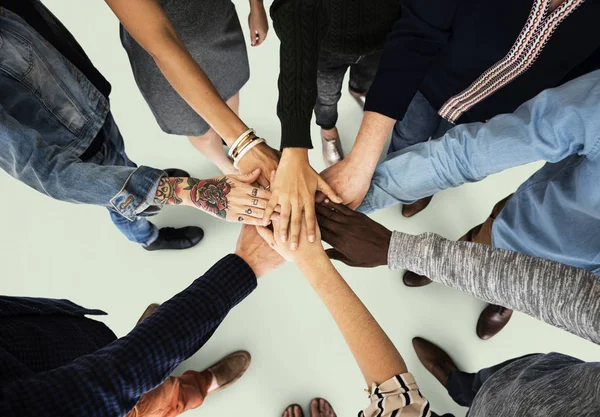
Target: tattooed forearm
{"x":210,"y":195}
{"x":166,"y":193}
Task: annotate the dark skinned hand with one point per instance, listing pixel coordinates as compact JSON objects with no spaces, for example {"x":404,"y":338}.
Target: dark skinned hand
{"x":356,"y":239}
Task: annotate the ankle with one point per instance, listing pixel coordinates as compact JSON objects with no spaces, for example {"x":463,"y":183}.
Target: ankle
{"x":330,"y":134}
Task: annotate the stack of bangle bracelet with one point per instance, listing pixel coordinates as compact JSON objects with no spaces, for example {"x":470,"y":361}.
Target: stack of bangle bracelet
{"x":243,"y":144}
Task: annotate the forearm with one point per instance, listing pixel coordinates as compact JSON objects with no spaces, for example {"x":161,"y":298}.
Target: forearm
{"x":370,"y":141}
{"x":375,"y":354}
{"x":538,"y":287}
{"x":147,"y":22}
{"x":471,"y":152}
{"x":193,"y":192}
{"x":111,"y":380}
{"x":299,"y":25}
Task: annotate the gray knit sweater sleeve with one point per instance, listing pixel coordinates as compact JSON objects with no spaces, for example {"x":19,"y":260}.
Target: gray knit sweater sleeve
{"x":560,"y":295}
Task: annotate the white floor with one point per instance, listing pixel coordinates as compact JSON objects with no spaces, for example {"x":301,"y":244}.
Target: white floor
{"x":55,"y":249}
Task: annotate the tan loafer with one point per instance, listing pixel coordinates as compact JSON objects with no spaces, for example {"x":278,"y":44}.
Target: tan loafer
{"x":230,"y":369}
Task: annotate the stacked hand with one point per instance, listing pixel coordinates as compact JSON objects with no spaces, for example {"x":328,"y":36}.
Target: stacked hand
{"x":231,"y":197}
{"x":305,"y":253}
{"x":293,"y":189}
{"x":349,"y":180}
{"x":263,"y":157}
{"x":257,"y":253}
{"x":356,"y":239}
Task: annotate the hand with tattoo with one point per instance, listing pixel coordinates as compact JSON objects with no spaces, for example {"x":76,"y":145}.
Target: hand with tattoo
{"x":232,"y":197}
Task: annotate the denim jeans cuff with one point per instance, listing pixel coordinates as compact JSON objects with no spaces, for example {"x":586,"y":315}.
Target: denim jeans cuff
{"x":366,"y":206}
{"x":138,"y":192}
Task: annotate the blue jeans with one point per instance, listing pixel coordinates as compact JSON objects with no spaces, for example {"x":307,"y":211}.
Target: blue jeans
{"x":421,"y":122}
{"x":112,"y":152}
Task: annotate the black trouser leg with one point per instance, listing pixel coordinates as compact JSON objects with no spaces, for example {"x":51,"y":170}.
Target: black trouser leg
{"x":463,"y":386}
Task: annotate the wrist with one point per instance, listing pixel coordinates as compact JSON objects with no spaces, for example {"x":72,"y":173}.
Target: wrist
{"x":385,"y":248}
{"x":311,"y":265}
{"x":250,"y":261}
{"x":295,"y":154}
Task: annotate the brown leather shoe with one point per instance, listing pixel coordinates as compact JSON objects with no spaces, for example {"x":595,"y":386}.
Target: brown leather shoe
{"x":492,"y":320}
{"x":409,"y":210}
{"x":149,"y":310}
{"x":411,"y":279}
{"x":229,"y":369}
{"x":434,"y":359}
{"x":293,"y":410}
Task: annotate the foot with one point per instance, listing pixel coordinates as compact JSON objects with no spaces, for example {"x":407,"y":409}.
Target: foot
{"x":149,"y":310}
{"x":321,"y":408}
{"x":175,"y":172}
{"x":332,"y":147}
{"x":359,"y":98}
{"x":409,"y":210}
{"x":171,"y":238}
{"x":293,"y":410}
{"x":411,"y":279}
{"x":492,"y":320}
{"x":434,"y":359}
{"x":228,"y":370}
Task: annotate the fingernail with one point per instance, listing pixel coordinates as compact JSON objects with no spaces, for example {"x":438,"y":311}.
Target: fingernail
{"x":283,"y":238}
{"x":294,"y":246}
{"x":311,"y":238}
{"x":327,"y":200}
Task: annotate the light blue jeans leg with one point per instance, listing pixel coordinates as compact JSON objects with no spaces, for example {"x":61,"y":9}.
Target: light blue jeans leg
{"x":420,"y":124}
{"x":112,"y":152}
{"x":139,"y":231}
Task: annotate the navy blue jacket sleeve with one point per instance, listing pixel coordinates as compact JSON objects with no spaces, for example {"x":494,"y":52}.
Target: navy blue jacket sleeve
{"x":110,"y":381}
{"x":410,"y":49}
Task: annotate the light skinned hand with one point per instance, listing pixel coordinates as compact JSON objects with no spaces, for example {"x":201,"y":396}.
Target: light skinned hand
{"x":264,"y":157}
{"x":231,"y":197}
{"x":349,"y":180}
{"x":257,"y":253}
{"x":293,"y":189}
{"x":258,"y":22}
{"x":305,"y":253}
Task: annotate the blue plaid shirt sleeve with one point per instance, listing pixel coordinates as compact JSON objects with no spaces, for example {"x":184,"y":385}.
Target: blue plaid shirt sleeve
{"x":110,"y":381}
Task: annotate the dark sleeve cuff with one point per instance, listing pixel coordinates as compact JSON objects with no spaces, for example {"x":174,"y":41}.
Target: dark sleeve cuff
{"x":295,"y":132}
{"x":386,"y":96}
{"x":236,"y":278}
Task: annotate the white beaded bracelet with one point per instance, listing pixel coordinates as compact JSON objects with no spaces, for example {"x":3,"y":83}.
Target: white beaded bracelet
{"x":246,"y":150}
{"x":238,"y":140}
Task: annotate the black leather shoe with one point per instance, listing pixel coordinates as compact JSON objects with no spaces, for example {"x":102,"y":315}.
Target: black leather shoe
{"x":174,"y":172}
{"x":411,"y":279}
{"x":171,"y":238}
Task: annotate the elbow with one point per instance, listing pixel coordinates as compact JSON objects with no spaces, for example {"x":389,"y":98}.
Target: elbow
{"x":166,"y":41}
